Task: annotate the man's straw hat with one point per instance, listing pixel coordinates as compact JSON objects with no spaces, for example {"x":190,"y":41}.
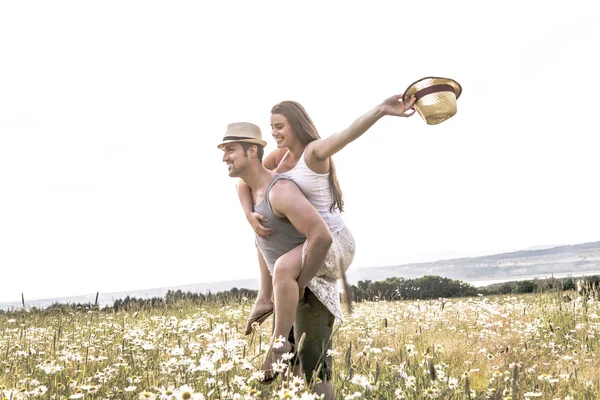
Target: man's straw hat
{"x":435,"y":98}
{"x":242,"y":132}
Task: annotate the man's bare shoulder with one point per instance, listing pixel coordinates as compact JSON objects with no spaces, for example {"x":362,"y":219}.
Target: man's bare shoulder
{"x":282,"y":188}
{"x":284,"y":194}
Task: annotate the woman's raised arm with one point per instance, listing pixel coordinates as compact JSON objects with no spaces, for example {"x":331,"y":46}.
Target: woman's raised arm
{"x":324,"y":148}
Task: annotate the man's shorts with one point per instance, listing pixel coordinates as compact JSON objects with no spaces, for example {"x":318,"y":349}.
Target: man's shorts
{"x":315,"y":321}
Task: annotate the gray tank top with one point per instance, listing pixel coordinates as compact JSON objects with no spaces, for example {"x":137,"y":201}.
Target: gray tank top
{"x":285,"y":236}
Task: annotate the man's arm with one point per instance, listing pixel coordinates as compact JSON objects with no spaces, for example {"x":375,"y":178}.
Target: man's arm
{"x":287,"y":199}
{"x":245,"y":197}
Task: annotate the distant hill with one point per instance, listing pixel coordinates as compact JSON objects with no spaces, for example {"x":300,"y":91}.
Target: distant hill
{"x":578,"y":259}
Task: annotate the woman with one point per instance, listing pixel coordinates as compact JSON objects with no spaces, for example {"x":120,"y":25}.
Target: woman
{"x":306,"y":158}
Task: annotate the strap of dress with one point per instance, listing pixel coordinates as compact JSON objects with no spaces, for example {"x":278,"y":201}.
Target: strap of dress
{"x":282,"y":160}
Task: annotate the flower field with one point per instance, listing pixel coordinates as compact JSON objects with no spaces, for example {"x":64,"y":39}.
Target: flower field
{"x":541,"y":346}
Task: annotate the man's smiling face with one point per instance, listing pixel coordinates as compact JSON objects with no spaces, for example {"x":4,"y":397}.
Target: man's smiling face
{"x":235,"y":158}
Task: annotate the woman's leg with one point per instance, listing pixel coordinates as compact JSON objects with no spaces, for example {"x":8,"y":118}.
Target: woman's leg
{"x":264,"y":301}
{"x":285,"y":287}
{"x":265,"y":293}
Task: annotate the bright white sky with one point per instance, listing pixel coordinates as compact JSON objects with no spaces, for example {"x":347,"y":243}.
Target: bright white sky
{"x":110,"y":112}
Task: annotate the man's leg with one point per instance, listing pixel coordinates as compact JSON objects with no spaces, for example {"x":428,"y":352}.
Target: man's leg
{"x":315,"y":321}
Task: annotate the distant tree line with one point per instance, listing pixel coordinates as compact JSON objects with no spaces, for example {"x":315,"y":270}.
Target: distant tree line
{"x":542,"y":285}
{"x":173,"y":297}
{"x":427,"y":287}
{"x":433,"y":287}
{"x":424,"y":288}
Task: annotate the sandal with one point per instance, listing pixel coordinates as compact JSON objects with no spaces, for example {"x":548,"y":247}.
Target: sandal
{"x":258,"y":319}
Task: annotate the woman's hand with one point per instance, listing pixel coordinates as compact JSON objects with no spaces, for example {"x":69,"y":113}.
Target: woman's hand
{"x":254,"y":218}
{"x":397,"y":107}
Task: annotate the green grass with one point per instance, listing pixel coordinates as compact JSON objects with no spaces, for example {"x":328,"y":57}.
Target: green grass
{"x":502,"y":347}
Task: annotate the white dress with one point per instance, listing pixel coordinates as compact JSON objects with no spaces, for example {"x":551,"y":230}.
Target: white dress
{"x":317,"y":190}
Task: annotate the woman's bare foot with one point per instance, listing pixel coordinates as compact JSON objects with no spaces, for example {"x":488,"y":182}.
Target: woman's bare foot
{"x":261,"y":311}
{"x":277,"y":349}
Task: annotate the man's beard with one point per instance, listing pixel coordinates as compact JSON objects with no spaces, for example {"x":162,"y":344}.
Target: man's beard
{"x":236,"y":172}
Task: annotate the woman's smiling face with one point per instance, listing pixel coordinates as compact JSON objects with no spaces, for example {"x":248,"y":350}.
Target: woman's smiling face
{"x":282,"y":131}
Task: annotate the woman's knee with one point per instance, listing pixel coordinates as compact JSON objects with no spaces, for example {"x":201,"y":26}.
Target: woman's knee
{"x":284,"y":271}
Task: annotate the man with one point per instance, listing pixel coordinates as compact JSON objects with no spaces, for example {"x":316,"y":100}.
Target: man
{"x":295,"y":221}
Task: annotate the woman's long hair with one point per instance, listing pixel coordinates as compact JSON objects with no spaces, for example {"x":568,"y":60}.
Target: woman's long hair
{"x":306,"y":131}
